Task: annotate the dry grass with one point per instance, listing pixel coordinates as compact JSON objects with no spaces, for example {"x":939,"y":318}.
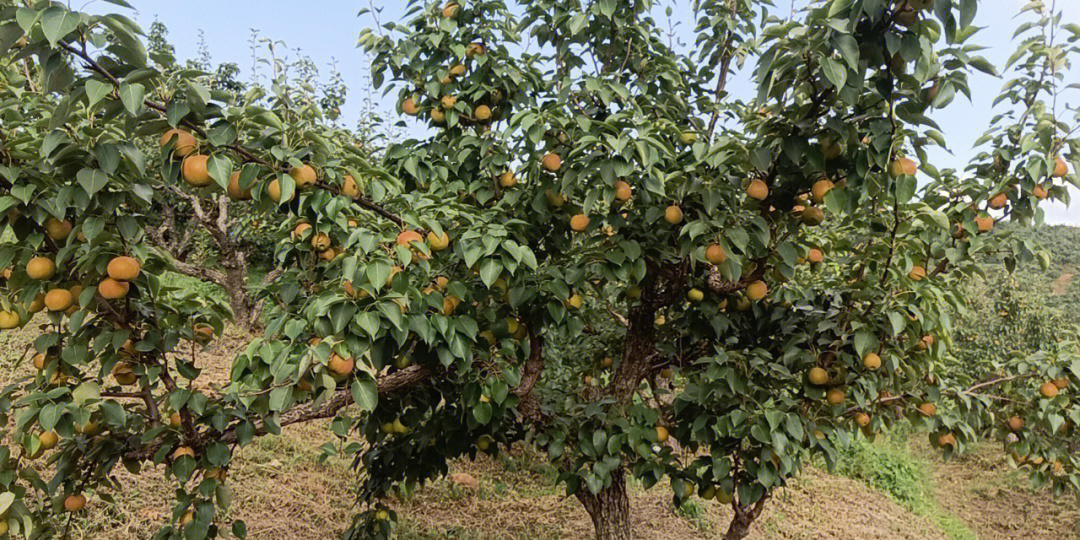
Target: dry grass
{"x":509,"y":506}
{"x":1060,"y":285}
{"x":984,"y":491}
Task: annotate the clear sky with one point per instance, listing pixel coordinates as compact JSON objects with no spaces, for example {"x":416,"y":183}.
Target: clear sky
{"x":326,"y":31}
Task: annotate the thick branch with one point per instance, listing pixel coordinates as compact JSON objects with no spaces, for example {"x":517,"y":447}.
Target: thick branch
{"x":307,"y":412}
{"x":529,"y":406}
{"x":341,"y":398}
{"x":207,"y":274}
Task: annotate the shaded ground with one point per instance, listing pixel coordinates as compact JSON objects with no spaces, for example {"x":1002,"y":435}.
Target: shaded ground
{"x":515,"y":501}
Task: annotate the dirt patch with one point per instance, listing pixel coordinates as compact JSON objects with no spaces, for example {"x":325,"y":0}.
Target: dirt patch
{"x":1060,"y":285}
{"x":994,"y":500}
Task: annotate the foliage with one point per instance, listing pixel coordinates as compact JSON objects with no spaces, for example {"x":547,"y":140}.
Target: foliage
{"x":578,"y":180}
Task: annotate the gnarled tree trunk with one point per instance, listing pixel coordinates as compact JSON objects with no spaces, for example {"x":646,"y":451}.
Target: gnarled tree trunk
{"x":609,"y":509}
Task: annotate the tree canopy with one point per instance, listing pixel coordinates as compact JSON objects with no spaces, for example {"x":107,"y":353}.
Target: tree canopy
{"x":597,"y":251}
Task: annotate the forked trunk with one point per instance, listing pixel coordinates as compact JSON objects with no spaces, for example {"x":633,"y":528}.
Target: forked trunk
{"x":738,"y":529}
{"x":609,"y":509}
{"x":744,"y":517}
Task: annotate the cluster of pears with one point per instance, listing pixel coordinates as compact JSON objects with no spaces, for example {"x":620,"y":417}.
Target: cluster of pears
{"x":482,"y":112}
{"x":194,"y":171}
{"x":122,"y":270}
{"x":320,"y":242}
{"x":1040,"y":191}
{"x":409,"y":239}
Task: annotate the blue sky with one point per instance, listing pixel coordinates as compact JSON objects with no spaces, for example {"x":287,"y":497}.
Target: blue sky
{"x":326,"y":30}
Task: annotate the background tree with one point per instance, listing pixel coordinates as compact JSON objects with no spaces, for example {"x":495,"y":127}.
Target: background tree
{"x":768,"y":278}
{"x":208,"y":234}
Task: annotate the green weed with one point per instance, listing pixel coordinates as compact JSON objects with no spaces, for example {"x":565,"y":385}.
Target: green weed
{"x":888,"y":466}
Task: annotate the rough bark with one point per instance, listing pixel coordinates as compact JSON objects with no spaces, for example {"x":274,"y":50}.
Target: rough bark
{"x":529,"y":406}
{"x":663,"y":284}
{"x":719,"y":285}
{"x":609,"y":509}
{"x":744,"y":518}
{"x":738,"y":529}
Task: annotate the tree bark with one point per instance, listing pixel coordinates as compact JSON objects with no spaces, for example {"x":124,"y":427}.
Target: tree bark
{"x":744,"y":518}
{"x":609,"y":509}
{"x":738,"y":529}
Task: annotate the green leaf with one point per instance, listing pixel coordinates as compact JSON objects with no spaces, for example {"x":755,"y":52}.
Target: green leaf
{"x":224,"y":495}
{"x":865,"y":342}
{"x":220,"y":168}
{"x":96,"y":91}
{"x":849,"y":50}
{"x":176,"y":112}
{"x":898,"y":322}
{"x":92,"y":180}
{"x":983,"y":65}
{"x":200,"y":92}
{"x":967,"y":12}
{"x":57,"y":22}
{"x":905,"y":188}
{"x":607,"y":7}
{"x":7,"y":498}
{"x":239,"y":529}
{"x":377,"y":273}
{"x":131,"y":94}
{"x":27,"y":18}
{"x":835,"y":72}
{"x":365,"y":393}
{"x":9,"y":34}
{"x":245,"y":433}
{"x":86,"y":391}
{"x":341,"y":314}
{"x":279,"y":398}
{"x":489,"y":272}
{"x":369,"y":322}
{"x":49,"y":415}
{"x":482,"y":412}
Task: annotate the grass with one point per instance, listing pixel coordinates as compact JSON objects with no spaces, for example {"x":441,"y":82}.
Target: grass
{"x":190,"y":284}
{"x":205,"y":288}
{"x":693,"y":511}
{"x":889,"y":467}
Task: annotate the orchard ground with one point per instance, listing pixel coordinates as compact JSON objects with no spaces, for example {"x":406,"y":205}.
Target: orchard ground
{"x":893,"y":488}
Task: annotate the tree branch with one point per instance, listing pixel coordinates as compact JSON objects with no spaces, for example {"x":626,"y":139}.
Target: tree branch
{"x":341,"y":398}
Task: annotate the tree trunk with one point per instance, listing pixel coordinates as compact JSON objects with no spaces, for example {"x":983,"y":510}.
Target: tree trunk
{"x":235,"y":287}
{"x":609,"y":509}
{"x":744,"y":517}
{"x":739,"y":528}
